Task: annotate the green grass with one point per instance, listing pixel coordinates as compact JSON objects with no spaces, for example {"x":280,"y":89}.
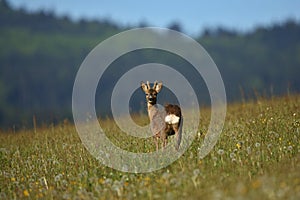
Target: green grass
{"x":256,"y":157}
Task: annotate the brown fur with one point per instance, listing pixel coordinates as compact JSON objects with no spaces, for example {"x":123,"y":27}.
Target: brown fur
{"x":173,"y":109}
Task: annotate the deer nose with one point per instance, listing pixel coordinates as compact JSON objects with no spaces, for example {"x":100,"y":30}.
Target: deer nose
{"x":151,"y":98}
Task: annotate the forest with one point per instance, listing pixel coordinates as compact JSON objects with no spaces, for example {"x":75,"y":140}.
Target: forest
{"x":40,"y":54}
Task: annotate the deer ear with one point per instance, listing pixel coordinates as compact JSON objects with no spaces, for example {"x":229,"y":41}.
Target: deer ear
{"x":144,"y":86}
{"x":158,"y":87}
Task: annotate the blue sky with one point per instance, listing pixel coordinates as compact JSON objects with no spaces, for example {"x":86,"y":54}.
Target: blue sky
{"x":193,"y":15}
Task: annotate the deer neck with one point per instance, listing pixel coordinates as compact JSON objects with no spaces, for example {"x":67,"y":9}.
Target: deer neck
{"x":149,"y":108}
{"x":152,"y":109}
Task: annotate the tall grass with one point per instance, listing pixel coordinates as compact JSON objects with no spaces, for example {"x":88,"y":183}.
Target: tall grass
{"x":256,"y":157}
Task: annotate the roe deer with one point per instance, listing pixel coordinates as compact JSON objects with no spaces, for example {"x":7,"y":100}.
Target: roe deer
{"x":163,"y":123}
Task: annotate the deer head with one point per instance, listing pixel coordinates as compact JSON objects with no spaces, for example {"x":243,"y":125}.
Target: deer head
{"x":151,"y":93}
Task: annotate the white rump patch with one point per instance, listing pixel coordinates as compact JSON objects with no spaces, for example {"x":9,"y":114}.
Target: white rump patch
{"x":172,"y":119}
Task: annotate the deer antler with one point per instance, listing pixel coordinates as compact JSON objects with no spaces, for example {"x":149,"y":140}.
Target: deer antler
{"x":148,"y":84}
{"x":154,"y":85}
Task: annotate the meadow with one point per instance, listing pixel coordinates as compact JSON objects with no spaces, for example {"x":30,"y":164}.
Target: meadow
{"x":256,"y":157}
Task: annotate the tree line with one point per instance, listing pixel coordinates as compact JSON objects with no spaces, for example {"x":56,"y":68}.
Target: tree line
{"x":40,"y":54}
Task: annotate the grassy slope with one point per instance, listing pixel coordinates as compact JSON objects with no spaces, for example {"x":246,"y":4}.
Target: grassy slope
{"x":256,"y":157}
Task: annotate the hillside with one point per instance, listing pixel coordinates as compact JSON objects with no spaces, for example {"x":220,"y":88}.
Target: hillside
{"x":256,"y":157}
{"x":41,"y":53}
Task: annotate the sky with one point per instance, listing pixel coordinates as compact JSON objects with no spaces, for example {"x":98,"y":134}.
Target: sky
{"x":193,"y":15}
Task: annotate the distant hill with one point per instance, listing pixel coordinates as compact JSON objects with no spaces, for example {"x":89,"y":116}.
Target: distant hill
{"x":266,"y":60}
{"x":41,"y":53}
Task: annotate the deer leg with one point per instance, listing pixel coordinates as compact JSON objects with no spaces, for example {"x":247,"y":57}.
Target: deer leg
{"x":156,"y":142}
{"x":165,"y":142}
{"x":177,"y":130}
{"x":177,"y":140}
{"x":164,"y":138}
{"x":179,"y":133}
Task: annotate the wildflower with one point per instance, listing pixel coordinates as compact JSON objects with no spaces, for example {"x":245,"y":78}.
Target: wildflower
{"x":108,"y":181}
{"x":166,"y":175}
{"x":232,"y":155}
{"x":26,"y":193}
{"x":199,"y":134}
{"x":249,"y":150}
{"x":220,"y":151}
{"x":57,"y":177}
{"x":290,"y":148}
{"x":147,"y":178}
{"x":196,"y":172}
{"x":200,"y":162}
{"x":13,"y":179}
{"x":101,"y":181}
{"x":257,"y":144}
{"x":256,"y":184}
{"x":239,"y":145}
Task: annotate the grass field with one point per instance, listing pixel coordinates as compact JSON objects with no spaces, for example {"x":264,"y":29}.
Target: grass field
{"x":256,"y":157}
